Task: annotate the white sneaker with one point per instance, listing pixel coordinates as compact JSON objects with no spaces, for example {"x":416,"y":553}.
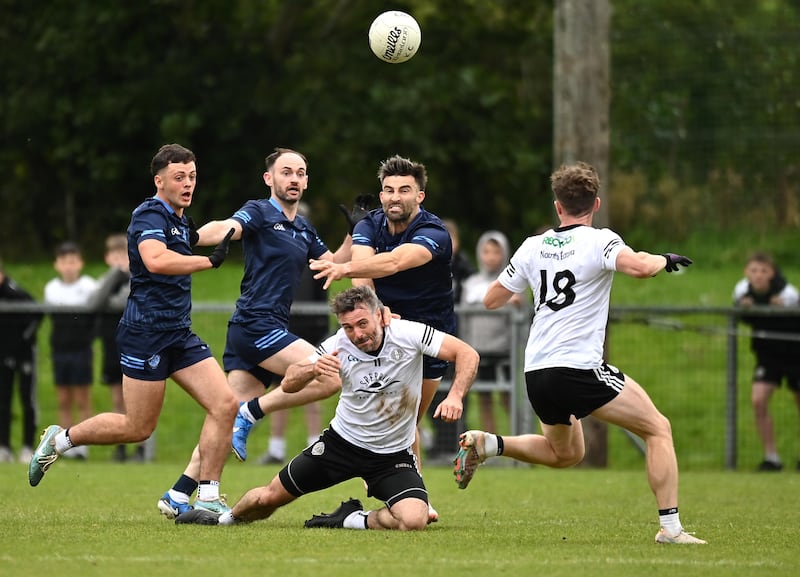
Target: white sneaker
{"x":471,"y":454}
{"x":682,"y":538}
{"x":6,"y":456}
{"x":25,"y":455}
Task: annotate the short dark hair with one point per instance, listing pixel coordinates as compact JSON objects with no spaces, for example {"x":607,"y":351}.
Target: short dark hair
{"x":399,"y":166}
{"x":348,"y":300}
{"x":68,"y":247}
{"x":576,"y":187}
{"x":170,"y":153}
{"x":269,"y":161}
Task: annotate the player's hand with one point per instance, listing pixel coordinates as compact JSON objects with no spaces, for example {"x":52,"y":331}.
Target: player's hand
{"x":326,"y":269}
{"x":361,"y":207}
{"x":673,"y":260}
{"x":217,"y":256}
{"x":194,"y":238}
{"x":449,"y":410}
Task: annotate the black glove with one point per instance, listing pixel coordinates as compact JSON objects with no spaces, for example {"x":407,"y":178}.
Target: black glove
{"x":194,"y":238}
{"x":361,"y":207}
{"x":673,"y":260}
{"x":217,"y":256}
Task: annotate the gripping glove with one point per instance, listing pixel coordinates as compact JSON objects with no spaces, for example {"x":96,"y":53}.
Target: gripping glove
{"x":361,"y":207}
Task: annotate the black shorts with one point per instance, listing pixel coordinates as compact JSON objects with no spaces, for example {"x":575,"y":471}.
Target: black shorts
{"x":332,"y":460}
{"x":73,"y":368}
{"x":774,"y":371}
{"x":557,"y":393}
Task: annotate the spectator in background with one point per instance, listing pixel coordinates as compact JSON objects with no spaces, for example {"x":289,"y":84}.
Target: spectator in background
{"x":71,"y":338}
{"x":17,"y":359}
{"x":445,"y":434}
{"x":312,"y":328}
{"x":776,"y":358}
{"x":109,"y":299}
{"x":489,"y":333}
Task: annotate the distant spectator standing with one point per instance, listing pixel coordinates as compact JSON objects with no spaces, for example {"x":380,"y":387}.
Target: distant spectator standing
{"x":71,"y":338}
{"x":489,"y":333}
{"x":17,"y":359}
{"x":776,"y":358}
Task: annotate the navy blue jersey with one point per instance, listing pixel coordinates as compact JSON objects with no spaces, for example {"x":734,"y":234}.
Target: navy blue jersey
{"x":157,"y":301}
{"x":276,"y":252}
{"x":425,"y":293}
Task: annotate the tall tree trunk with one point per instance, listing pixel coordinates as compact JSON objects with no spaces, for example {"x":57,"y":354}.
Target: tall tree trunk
{"x":581,"y":86}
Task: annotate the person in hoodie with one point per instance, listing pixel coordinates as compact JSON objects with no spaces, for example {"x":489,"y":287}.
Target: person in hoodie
{"x":489,"y":332}
{"x":776,"y":355}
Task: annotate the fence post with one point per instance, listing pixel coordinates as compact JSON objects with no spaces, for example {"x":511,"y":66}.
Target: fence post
{"x":731,"y":395}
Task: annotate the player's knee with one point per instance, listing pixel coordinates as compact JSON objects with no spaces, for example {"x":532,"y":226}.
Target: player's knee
{"x":416,"y":522}
{"x":569,"y":457}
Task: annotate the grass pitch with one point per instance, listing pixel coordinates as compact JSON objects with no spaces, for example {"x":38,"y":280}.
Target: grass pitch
{"x":88,"y":519}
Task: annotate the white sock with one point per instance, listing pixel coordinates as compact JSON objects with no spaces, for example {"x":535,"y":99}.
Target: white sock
{"x":63,"y":442}
{"x":226,"y":518}
{"x":208,"y":490}
{"x":356,"y":520}
{"x":490,"y":445}
{"x":178,"y":497}
{"x":671,"y":522}
{"x":245,"y":412}
{"x":277,"y":447}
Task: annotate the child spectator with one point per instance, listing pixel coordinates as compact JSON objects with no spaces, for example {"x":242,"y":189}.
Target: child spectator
{"x":71,"y":338}
{"x":488,"y":333}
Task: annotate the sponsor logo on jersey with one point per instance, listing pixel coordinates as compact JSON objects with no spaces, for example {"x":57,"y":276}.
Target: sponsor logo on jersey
{"x":279,"y":226}
{"x":557,"y":242}
{"x":175,"y":232}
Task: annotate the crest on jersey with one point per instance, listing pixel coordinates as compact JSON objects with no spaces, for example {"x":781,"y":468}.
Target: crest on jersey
{"x":175,"y":232}
{"x":279,"y":226}
{"x":397,"y":354}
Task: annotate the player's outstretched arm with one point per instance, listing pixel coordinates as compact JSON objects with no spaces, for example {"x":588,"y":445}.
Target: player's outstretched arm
{"x":644,"y":264}
{"x":214,"y":231}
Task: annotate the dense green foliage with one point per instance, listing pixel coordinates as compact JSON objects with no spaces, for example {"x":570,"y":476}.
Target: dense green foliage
{"x":702,"y":120}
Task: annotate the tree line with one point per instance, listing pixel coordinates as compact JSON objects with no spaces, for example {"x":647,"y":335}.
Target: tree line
{"x":704,"y":111}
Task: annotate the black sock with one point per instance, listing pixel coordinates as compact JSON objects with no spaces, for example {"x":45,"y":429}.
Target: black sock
{"x":255,"y":410}
{"x":185,"y":485}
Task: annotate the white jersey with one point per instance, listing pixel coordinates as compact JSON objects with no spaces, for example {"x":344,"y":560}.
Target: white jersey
{"x":377,"y":408}
{"x":789,"y":295}
{"x":570,"y":271}
{"x":57,"y":292}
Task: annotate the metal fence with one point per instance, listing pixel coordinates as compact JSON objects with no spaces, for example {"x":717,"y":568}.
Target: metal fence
{"x":694,"y":362}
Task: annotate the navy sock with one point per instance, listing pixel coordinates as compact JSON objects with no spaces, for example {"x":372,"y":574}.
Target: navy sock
{"x":255,"y":410}
{"x":185,"y":485}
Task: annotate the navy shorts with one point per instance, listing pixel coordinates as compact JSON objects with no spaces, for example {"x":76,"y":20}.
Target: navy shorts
{"x":433,"y":368}
{"x":332,"y":460}
{"x":73,"y":368}
{"x":557,"y":393}
{"x":155,"y":355}
{"x":248,"y":345}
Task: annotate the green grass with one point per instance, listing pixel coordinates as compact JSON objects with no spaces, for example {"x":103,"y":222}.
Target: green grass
{"x":89,"y":519}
